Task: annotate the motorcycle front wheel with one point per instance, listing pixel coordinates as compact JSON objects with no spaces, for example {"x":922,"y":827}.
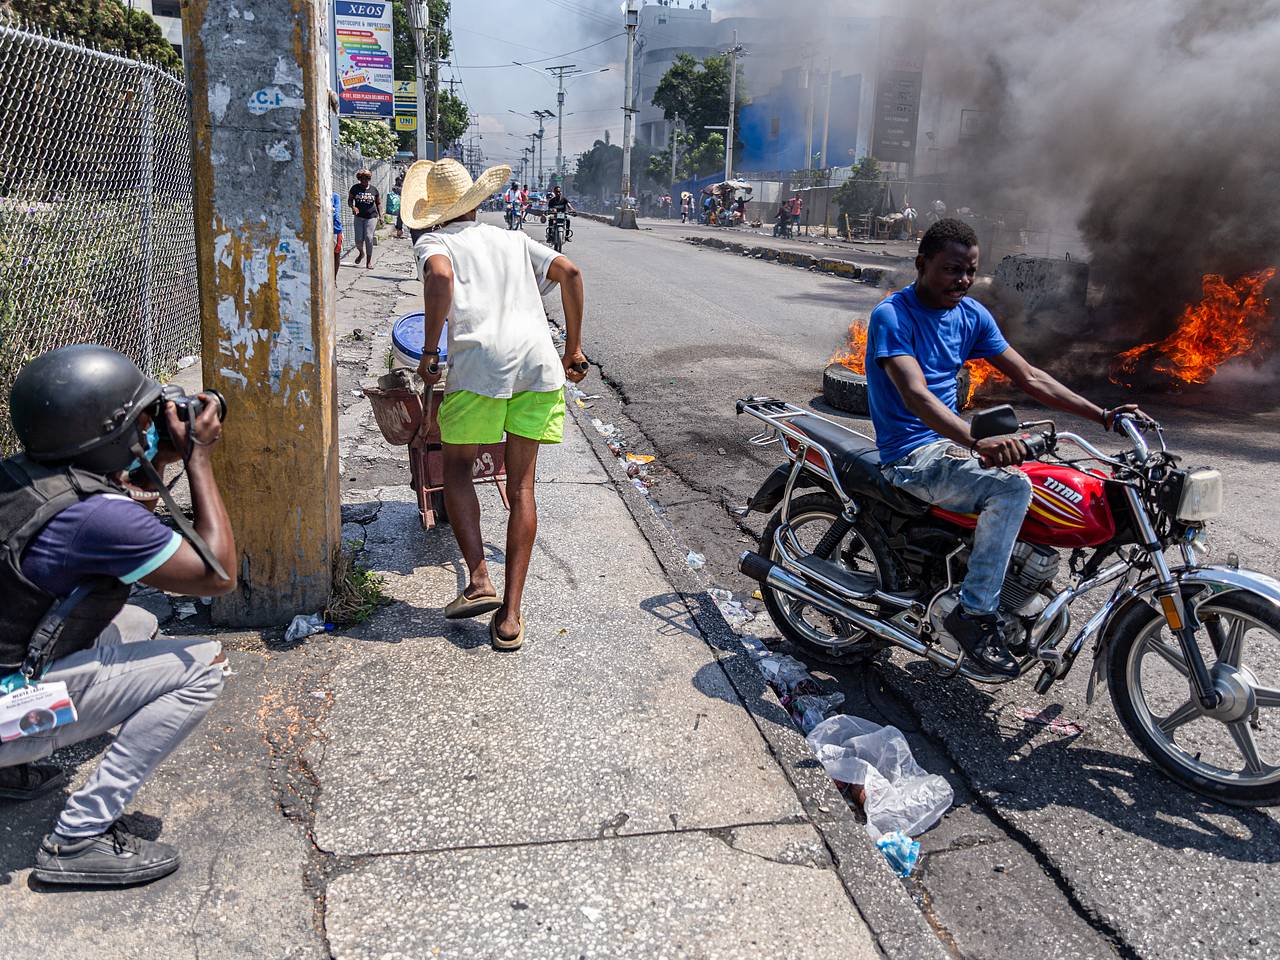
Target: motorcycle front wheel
{"x":1230,"y":753}
{"x":863,"y":550}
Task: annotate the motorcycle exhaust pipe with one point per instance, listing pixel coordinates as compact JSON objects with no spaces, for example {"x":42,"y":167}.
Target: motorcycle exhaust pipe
{"x":769,"y":574}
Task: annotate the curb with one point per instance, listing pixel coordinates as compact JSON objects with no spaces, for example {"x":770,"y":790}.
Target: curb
{"x":881,"y":898}
{"x":872,"y":276}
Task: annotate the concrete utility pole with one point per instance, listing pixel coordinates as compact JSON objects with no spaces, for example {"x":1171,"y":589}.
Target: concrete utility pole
{"x":435,"y":92}
{"x":560,"y":71}
{"x":733,"y":105}
{"x":260,"y":112}
{"x":542,"y":115}
{"x":675,"y":150}
{"x":631,"y":14}
{"x":420,"y":20}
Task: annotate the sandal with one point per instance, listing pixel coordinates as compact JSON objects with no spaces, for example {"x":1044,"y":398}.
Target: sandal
{"x":506,"y":643}
{"x":462,"y":606}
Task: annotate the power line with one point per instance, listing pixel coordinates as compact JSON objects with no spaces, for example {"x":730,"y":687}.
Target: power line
{"x":504,"y":66}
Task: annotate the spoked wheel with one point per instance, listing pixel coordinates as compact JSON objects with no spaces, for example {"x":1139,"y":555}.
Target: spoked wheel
{"x":862,"y":551}
{"x":1230,"y":753}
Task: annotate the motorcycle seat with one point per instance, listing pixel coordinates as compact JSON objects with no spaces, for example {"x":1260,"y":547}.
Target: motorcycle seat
{"x":857,"y":463}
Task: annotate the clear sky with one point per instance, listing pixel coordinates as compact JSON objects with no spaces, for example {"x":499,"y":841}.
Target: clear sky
{"x":489,"y":34}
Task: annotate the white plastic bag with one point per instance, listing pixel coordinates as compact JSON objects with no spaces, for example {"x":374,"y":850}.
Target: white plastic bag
{"x":900,"y":794}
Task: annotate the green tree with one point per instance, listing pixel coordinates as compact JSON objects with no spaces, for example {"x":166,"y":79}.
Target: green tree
{"x":859,"y":194}
{"x":599,"y":169}
{"x":106,"y":24}
{"x":376,"y":140}
{"x":698,"y":92}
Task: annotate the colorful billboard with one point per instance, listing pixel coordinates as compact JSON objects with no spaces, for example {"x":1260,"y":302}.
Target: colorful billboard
{"x":363,"y":45}
{"x":406,"y":93}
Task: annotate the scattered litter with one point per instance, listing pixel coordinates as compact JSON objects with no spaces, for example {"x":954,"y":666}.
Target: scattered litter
{"x":735,"y":614}
{"x":720,"y":595}
{"x":564,"y":631}
{"x":304,"y":625}
{"x":184,"y":362}
{"x":592,"y":914}
{"x":696,"y":561}
{"x":1066,"y":728}
{"x":641,"y":486}
{"x":901,"y":795}
{"x":721,"y":451}
{"x":578,"y":401}
{"x":901,"y":851}
{"x":614,"y":448}
{"x":185,"y":610}
{"x":786,"y":674}
{"x":318,"y":694}
{"x":757,"y":595}
{"x":589,"y":396}
{"x":634,"y":470}
{"x":357,"y":334}
{"x":739,"y":511}
{"x":604,"y":429}
{"x":640,"y":458}
{"x":357,"y":393}
{"x":810,"y":709}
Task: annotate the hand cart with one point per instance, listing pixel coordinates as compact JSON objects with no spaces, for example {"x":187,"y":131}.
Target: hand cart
{"x":408,"y":416}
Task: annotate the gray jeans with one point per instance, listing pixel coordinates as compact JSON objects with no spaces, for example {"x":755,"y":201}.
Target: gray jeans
{"x":365,"y":227}
{"x":155,"y":690}
{"x":960,"y":483}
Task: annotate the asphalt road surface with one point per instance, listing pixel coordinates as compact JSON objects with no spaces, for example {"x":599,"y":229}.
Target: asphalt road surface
{"x":1060,"y":844}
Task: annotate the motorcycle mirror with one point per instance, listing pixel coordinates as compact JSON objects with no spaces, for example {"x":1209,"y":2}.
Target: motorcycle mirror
{"x":995,"y":422}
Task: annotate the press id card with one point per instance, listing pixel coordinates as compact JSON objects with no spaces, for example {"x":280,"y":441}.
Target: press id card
{"x":37,"y":709}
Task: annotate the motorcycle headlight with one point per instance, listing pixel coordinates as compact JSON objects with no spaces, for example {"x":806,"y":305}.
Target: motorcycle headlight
{"x":1201,"y":496}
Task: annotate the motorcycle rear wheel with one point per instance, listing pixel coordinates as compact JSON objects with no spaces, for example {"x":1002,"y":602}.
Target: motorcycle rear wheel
{"x":863,"y":550}
{"x":1232,"y":755}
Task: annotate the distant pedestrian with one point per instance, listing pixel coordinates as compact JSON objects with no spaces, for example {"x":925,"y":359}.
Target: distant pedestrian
{"x":505,"y":377}
{"x":337,"y":233}
{"x":797,"y":206}
{"x":686,"y":207}
{"x":366,"y":208}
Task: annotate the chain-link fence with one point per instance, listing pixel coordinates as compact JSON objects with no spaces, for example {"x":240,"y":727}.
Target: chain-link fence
{"x":96,"y":236}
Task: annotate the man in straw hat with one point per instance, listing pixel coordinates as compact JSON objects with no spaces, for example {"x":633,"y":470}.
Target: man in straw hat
{"x":504,"y":374}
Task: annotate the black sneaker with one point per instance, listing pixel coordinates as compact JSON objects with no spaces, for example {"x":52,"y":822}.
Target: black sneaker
{"x":982,"y":638}
{"x":26,"y":781}
{"x":115,"y":858}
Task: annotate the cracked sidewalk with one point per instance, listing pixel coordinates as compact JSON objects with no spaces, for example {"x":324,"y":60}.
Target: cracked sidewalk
{"x":401,"y":790}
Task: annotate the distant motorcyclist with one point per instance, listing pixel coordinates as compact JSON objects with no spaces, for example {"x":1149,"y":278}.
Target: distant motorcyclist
{"x":511,"y":203}
{"x":557,"y":202}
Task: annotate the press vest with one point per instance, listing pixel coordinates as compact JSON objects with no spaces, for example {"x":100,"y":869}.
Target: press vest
{"x":31,"y":495}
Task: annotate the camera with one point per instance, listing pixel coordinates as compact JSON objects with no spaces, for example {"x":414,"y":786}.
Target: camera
{"x":187,"y":408}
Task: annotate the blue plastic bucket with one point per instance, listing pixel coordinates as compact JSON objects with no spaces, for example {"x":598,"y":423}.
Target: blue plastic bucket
{"x":406,"y":340}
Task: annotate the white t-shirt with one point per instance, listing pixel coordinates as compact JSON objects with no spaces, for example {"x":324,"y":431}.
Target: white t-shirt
{"x":499,"y":341}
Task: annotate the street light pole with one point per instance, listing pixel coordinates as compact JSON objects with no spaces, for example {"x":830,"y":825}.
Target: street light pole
{"x":632,"y":14}
{"x":733,"y":105}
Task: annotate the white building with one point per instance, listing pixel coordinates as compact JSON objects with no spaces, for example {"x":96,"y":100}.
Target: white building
{"x":168,"y":14}
{"x":772,"y":47}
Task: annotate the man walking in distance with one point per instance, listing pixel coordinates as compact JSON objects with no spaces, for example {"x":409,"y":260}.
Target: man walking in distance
{"x":504,"y":374}
{"x":366,"y":207}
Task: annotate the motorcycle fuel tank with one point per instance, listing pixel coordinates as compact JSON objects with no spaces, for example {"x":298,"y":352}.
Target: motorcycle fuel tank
{"x":1068,"y":508}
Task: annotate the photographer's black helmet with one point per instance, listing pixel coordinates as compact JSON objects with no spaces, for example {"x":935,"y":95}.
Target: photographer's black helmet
{"x":80,"y":405}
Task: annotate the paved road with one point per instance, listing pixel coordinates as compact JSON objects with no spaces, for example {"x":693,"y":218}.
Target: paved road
{"x":1073,"y":845}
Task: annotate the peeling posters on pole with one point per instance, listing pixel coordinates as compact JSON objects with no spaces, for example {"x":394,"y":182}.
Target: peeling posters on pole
{"x":363,"y":45}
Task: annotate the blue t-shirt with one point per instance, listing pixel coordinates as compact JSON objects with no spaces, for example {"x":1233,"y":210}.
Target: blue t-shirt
{"x":105,"y":535}
{"x":337,"y":217}
{"x":941,"y":341}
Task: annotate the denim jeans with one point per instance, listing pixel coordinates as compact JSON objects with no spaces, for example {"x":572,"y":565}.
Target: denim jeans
{"x":998,"y":496}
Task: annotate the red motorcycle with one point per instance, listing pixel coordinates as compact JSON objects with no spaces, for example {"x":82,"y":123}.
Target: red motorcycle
{"x":849,"y":565}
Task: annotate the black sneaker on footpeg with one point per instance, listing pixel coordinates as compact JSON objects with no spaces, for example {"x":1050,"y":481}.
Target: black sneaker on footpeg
{"x":983,"y":641}
{"x":115,"y":858}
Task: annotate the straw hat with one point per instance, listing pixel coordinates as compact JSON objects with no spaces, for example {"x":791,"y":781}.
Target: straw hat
{"x":435,"y":193}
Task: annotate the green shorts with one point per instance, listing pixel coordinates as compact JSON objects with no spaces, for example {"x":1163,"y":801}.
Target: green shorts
{"x":469,"y":418}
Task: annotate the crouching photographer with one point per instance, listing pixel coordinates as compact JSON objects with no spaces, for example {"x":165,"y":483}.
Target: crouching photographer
{"x":75,"y":659}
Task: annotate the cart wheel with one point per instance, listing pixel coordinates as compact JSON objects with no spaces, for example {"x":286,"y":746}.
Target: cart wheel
{"x":437,"y":504}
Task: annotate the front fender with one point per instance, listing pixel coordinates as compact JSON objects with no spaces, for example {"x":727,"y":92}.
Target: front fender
{"x":1198,"y":585}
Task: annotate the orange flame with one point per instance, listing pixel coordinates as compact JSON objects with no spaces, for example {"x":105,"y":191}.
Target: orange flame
{"x":854,"y":357}
{"x":1232,"y":320}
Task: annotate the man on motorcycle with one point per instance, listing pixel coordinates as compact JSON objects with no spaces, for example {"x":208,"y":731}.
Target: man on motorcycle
{"x":557,"y":202}
{"x":511,"y":202}
{"x":917,"y":340}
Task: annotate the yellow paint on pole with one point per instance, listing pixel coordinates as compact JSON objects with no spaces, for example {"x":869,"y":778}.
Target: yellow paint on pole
{"x":258,"y":83}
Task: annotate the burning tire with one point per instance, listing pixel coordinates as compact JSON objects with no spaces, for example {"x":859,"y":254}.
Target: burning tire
{"x":847,"y":391}
{"x":844,"y":389}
